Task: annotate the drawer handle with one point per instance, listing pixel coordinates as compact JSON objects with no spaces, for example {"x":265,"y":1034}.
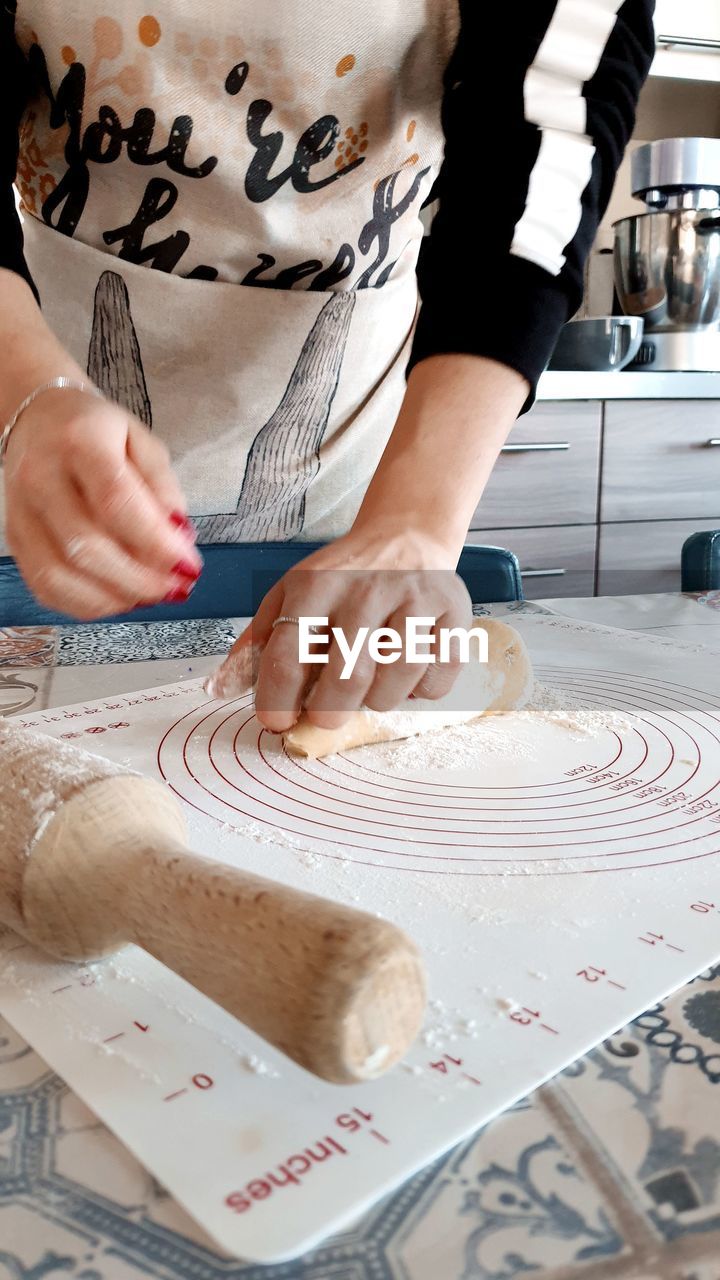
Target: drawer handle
{"x":714,"y":443}
{"x":548,"y":446}
{"x":543,"y":573}
{"x":688,"y":42}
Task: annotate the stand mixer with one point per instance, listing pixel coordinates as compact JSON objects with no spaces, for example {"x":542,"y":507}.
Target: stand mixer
{"x":667,"y":260}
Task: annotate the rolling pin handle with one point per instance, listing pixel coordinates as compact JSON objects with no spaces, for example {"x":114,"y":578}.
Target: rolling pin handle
{"x":338,"y":990}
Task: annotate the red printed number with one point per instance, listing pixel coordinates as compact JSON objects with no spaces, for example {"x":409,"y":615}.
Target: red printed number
{"x":591,"y":974}
{"x":201,"y":1081}
{"x":526,"y":1017}
{"x":652,"y":940}
{"x":442,"y":1066}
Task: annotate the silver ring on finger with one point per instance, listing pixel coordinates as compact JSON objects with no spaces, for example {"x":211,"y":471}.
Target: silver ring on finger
{"x":75,"y":548}
{"x":295,"y":622}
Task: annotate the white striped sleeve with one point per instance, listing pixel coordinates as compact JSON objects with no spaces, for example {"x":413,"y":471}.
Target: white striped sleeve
{"x":539,"y":105}
{"x":553,"y":98}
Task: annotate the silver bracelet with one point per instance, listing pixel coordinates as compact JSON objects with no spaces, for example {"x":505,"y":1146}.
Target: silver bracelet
{"x":55,"y":384}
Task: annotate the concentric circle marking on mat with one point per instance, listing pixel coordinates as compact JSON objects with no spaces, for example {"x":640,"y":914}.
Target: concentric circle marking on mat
{"x":646,"y":797}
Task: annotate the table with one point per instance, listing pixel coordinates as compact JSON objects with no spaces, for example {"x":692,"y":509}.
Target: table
{"x":612,"y":1170}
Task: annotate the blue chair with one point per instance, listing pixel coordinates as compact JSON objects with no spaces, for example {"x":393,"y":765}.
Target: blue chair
{"x":701,"y":562}
{"x":237,"y":576}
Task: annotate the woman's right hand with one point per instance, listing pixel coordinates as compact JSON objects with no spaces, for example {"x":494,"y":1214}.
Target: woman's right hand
{"x":94,"y":515}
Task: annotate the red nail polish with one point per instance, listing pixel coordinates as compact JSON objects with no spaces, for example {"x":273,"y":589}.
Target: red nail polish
{"x":179,"y":596}
{"x":182,"y":522}
{"x":186,"y":569}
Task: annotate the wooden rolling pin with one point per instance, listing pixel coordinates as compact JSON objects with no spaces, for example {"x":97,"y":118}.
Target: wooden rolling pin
{"x":93,"y":857}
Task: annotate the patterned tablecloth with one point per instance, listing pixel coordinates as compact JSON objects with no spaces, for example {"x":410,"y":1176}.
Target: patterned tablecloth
{"x":612,"y":1170}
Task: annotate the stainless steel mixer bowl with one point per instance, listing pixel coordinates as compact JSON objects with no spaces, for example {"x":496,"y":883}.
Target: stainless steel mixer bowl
{"x":597,"y":344}
{"x":667,"y":268}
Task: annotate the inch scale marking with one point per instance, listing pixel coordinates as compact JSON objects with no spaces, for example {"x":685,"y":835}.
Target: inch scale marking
{"x":555,"y":897}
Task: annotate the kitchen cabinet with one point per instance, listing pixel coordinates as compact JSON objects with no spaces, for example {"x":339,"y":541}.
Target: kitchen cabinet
{"x":638,"y":557}
{"x":553,"y":561}
{"x":692,"y":21}
{"x":548,"y":472}
{"x":688,"y":42}
{"x":661,"y":461}
{"x":600,"y":495}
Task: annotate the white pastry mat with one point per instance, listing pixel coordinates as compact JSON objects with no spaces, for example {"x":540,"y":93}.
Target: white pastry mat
{"x":560,"y":882}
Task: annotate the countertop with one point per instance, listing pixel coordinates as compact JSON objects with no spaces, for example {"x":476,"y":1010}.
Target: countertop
{"x":629,"y":386}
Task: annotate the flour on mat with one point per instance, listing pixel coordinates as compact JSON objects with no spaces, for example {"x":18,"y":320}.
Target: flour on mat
{"x":515,"y":735}
{"x":251,"y":1062}
{"x":114,"y":967}
{"x":443,"y":1024}
{"x":467,"y":746}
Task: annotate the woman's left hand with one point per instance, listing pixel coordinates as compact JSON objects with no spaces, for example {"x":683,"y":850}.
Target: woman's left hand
{"x":368,"y":578}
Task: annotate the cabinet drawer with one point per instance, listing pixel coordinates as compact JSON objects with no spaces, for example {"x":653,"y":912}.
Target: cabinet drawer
{"x":697,"y":21}
{"x":548,"y":472}
{"x":641,"y":557}
{"x":660,"y":462}
{"x":553,"y":562}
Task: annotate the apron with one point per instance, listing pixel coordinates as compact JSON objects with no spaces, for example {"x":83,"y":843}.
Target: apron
{"x":221,"y":211}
